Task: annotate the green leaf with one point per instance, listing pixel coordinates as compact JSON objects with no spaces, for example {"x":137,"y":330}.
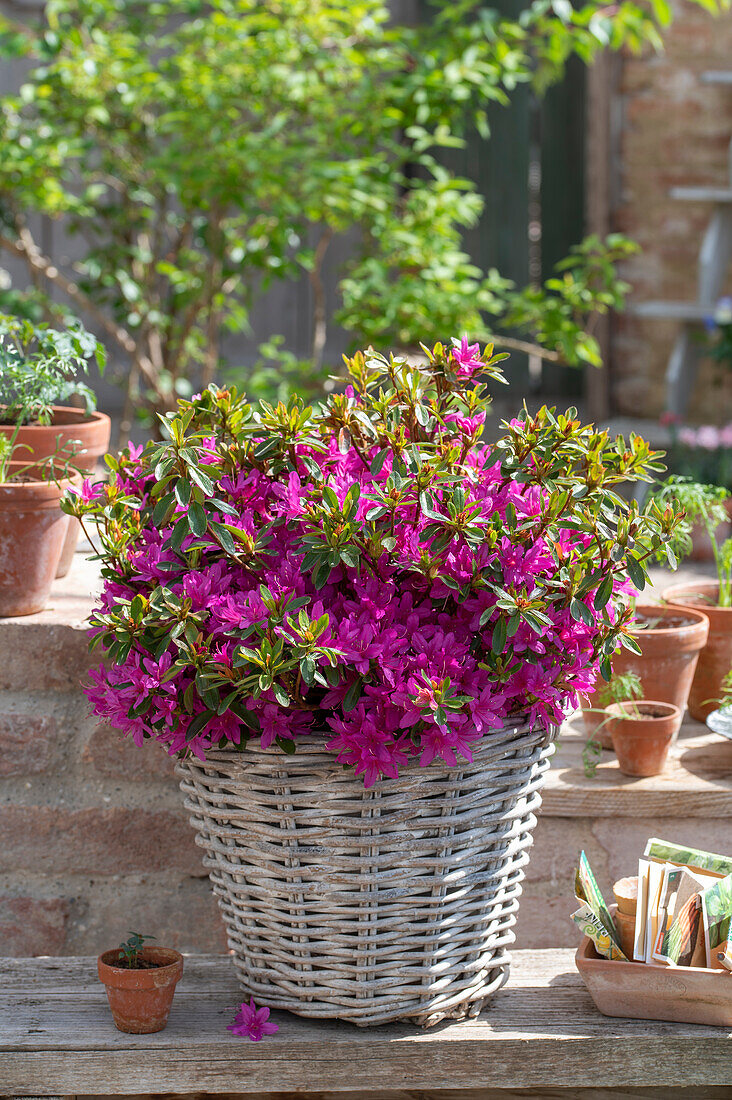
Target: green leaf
{"x":183,"y":492}
{"x":378,"y":461}
{"x":580,"y":612}
{"x":197,"y":519}
{"x":224,"y":536}
{"x":198,"y":723}
{"x":604,"y":592}
{"x":161,"y":510}
{"x":500,"y":634}
{"x":201,"y":479}
{"x":636,"y":572}
{"x":280,"y":694}
{"x":353,"y":695}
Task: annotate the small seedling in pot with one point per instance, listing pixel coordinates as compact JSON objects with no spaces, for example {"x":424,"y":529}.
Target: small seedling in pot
{"x":130,"y":953}
{"x":626,"y":688}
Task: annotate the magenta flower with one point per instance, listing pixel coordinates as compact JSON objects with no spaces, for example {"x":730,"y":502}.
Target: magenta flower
{"x":466,"y":358}
{"x":252,"y":1022}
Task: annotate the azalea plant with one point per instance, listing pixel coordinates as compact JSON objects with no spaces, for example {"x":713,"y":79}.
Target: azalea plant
{"x":369,"y":567}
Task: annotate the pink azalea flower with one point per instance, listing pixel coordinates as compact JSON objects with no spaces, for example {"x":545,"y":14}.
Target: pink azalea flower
{"x":252,"y":1022}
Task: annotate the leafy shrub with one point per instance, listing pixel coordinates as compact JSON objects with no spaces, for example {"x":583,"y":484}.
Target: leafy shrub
{"x":368,"y":567}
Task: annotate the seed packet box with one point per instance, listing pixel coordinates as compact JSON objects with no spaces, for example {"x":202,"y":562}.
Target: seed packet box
{"x":684,"y":994}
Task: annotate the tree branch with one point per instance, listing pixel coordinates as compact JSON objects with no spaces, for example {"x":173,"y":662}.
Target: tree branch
{"x":27,"y":249}
{"x":523,"y":345}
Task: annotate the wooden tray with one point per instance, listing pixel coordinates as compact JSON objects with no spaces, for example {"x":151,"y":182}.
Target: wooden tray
{"x":684,"y":994}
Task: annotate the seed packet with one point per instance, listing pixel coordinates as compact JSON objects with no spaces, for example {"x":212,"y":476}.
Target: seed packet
{"x":586,"y":890}
{"x":667,"y":852}
{"x":655,"y":880}
{"x":589,"y":923}
{"x":679,"y":884}
{"x":716,"y":906}
{"x":683,"y":943}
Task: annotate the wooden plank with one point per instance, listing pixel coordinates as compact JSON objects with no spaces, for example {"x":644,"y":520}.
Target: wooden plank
{"x":697,"y":781}
{"x":615,"y":1061}
{"x":641,"y":1093}
{"x":542,"y":1030}
{"x":59,"y":976}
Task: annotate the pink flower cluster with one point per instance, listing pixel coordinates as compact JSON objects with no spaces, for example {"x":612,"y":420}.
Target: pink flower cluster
{"x":411,"y":657}
{"x":706,"y":436}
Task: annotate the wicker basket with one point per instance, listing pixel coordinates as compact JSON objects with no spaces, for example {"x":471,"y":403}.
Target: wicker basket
{"x":369,"y":905}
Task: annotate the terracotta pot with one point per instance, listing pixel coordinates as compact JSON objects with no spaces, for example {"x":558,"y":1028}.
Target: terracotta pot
{"x":80,"y":438}
{"x":32,"y":533}
{"x":715,"y":659}
{"x":641,"y":744}
{"x":688,"y":994}
{"x":665,"y":667}
{"x":140,"y":999}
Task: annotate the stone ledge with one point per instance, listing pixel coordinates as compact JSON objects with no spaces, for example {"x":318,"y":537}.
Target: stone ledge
{"x":697,"y":781}
{"x":49,"y":651}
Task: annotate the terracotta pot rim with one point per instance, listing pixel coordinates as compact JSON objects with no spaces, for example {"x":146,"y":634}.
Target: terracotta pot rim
{"x":618,"y":711}
{"x":121,"y":976}
{"x":675,"y":593}
{"x":74,"y":418}
{"x":670,"y":609}
{"x":49,"y":492}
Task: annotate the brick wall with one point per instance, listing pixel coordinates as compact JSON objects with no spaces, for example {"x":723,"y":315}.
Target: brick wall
{"x":93,"y":837}
{"x":673,"y":131}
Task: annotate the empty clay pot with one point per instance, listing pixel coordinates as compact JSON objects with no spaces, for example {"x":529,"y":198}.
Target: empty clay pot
{"x":32,"y":534}
{"x":641,"y":744}
{"x":667,"y":664}
{"x":74,"y":436}
{"x":715,"y":660}
{"x":140,"y":1000}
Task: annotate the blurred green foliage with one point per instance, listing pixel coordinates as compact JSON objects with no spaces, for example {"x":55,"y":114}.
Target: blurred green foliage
{"x":198,"y":151}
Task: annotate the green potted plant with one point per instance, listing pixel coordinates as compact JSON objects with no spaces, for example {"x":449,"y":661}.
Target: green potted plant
{"x":704,"y":505}
{"x":359,"y":627}
{"x":140,"y":983}
{"x":39,"y":369}
{"x":33,"y":530}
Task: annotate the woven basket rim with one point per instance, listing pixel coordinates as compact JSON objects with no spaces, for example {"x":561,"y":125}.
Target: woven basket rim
{"x":314,"y":743}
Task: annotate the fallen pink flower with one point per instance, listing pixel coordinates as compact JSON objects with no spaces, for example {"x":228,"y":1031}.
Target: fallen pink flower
{"x":252,"y":1022}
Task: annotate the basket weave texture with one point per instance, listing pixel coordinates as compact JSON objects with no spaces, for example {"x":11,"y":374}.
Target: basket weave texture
{"x":371,"y":905}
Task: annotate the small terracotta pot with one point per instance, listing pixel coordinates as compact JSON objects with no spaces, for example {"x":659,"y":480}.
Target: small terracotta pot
{"x":77,"y":437}
{"x":140,"y":999}
{"x":666,"y":666}
{"x":715,"y":659}
{"x":641,"y":744}
{"x":32,"y":534}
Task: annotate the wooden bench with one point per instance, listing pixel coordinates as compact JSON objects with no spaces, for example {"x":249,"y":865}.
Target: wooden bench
{"x":540,"y":1033}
